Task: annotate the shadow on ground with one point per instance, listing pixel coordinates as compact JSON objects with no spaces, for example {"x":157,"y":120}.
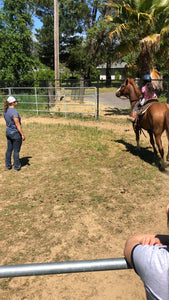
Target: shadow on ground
{"x":25,"y":161}
{"x":144,"y":153}
{"x":116,"y":111}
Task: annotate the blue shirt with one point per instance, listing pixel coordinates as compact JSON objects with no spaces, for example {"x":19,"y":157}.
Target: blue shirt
{"x":9,"y":115}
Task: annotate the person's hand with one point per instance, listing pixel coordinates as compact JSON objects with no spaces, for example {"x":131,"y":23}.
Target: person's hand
{"x":150,"y":240}
{"x":23,"y":137}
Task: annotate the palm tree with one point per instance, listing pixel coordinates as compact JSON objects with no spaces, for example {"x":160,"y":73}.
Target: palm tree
{"x":141,"y":25}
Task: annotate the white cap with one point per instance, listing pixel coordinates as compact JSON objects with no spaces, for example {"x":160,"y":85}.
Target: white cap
{"x":11,"y":99}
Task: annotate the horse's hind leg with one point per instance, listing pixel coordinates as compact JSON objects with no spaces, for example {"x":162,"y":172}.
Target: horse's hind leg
{"x":159,"y":144}
{"x":167,"y":131}
{"x":152,"y":142}
{"x":160,"y":148}
{"x":167,"y":157}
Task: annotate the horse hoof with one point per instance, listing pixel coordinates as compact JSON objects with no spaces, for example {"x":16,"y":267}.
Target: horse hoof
{"x":162,"y":165}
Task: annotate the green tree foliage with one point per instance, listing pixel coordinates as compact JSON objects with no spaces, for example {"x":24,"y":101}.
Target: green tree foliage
{"x":97,"y":44}
{"x":45,"y":35}
{"x":71,"y":24}
{"x":95,"y":47}
{"x":84,"y":34}
{"x":16,"y":59}
{"x":141,"y":26}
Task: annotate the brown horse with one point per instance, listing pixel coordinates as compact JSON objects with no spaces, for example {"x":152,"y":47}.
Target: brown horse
{"x":155,"y":119}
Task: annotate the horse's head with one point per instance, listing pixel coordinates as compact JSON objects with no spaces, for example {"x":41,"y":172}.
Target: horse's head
{"x":130,"y":90}
{"x":124,"y":89}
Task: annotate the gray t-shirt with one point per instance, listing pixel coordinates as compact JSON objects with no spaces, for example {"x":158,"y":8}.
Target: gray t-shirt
{"x":10,"y":124}
{"x":151,"y":263}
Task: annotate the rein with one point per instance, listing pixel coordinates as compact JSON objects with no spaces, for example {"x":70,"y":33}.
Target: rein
{"x":134,"y":100}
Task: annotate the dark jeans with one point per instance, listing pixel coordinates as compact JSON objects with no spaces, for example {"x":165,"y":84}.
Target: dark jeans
{"x":14,"y":142}
{"x":137,"y":106}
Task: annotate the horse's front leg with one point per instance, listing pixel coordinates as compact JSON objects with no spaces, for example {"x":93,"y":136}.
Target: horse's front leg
{"x":152,"y":143}
{"x":137,"y":133}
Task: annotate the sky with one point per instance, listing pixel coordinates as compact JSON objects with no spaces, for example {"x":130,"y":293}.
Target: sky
{"x":37,"y":24}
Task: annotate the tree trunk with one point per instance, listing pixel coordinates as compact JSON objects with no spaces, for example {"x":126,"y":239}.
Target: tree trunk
{"x":144,"y":62}
{"x":89,"y":76}
{"x":108,"y":73}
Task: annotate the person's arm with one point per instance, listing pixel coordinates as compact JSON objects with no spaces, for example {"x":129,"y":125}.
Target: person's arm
{"x":145,"y":239}
{"x":140,"y":239}
{"x":18,"y":126}
{"x":164,"y":239}
{"x":143,"y":90}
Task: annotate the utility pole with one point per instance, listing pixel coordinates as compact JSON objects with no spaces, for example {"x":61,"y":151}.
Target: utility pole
{"x":56,"y":49}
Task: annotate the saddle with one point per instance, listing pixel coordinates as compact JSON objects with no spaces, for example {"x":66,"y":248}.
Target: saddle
{"x":147,"y":104}
{"x":143,"y":109}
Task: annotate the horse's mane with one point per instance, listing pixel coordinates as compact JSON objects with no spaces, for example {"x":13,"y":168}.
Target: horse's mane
{"x":136,"y":89}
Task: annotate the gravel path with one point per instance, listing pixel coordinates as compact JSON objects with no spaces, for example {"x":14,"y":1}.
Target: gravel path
{"x":110,"y":99}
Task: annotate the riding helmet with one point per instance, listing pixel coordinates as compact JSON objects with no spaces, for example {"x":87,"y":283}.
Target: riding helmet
{"x":147,"y":78}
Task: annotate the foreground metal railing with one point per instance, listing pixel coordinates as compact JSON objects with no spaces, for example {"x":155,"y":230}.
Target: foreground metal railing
{"x":63,"y":267}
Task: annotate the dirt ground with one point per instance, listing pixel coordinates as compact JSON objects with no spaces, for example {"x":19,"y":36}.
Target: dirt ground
{"x":110,"y":285}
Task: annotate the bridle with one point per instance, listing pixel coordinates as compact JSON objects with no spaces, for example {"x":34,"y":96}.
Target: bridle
{"x":127,"y":96}
{"x":136,"y":100}
{"x":131,"y":101}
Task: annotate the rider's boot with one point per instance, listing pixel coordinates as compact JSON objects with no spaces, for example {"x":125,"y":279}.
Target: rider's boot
{"x":133,"y":116}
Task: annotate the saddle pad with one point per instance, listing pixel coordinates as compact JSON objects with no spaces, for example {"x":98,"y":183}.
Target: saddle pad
{"x":143,"y":109}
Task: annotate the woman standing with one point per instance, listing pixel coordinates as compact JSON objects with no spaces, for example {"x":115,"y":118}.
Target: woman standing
{"x":14,"y":133}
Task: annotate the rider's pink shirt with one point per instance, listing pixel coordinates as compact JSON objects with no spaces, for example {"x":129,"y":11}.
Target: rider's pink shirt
{"x":146,"y":95}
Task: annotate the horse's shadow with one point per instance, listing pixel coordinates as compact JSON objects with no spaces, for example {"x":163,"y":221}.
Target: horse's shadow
{"x":116,"y":111}
{"x":144,"y":153}
{"x":25,"y":161}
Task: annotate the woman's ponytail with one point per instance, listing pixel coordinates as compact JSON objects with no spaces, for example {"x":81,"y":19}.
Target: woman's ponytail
{"x":6,"y":105}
